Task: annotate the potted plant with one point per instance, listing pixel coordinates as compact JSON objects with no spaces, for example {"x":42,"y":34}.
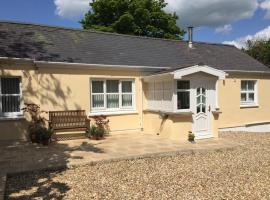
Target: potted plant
{"x":37,"y":126}
{"x":99,"y":129}
{"x":191,"y":137}
{"x":96,"y":133}
{"x":45,"y":136}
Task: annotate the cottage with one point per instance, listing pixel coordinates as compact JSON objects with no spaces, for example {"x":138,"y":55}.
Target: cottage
{"x":155,"y":86}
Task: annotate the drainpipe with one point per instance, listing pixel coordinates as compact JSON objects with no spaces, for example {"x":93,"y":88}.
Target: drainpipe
{"x":141,"y":109}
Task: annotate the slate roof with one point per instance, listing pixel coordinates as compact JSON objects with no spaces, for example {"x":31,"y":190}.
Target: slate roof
{"x":59,"y":44}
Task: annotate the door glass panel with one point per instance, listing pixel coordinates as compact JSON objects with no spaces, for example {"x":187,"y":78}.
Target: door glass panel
{"x":198,"y":91}
{"x":201,"y":100}
{"x":203,"y":91}
{"x":198,"y":99}
{"x":203,"y":108}
{"x":198,"y":109}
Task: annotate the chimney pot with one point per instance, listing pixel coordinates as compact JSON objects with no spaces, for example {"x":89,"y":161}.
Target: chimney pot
{"x":190,"y":37}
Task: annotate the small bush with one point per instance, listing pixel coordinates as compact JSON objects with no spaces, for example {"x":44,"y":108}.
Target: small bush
{"x":96,"y":132}
{"x":41,"y":134}
{"x":99,"y":129}
{"x":191,"y":137}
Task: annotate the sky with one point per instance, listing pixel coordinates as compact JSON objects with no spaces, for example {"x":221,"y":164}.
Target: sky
{"x":217,"y":21}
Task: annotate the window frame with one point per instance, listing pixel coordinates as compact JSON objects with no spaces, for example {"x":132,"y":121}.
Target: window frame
{"x":183,"y":90}
{"x":248,"y":103}
{"x":121,"y":108}
{"x":11,"y":114}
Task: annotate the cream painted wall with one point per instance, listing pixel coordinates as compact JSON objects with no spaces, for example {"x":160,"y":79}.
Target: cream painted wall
{"x":229,"y":101}
{"x":176,"y":127}
{"x":66,"y":89}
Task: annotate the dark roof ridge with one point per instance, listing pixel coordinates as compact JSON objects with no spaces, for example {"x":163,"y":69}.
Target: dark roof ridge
{"x":107,"y":33}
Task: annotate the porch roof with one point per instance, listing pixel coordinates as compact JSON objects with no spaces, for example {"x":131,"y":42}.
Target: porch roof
{"x":180,"y":73}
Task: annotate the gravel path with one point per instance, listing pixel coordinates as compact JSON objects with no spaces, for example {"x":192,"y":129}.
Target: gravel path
{"x":241,"y":173}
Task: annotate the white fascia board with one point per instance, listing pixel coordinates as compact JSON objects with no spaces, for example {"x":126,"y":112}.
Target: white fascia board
{"x":178,"y":74}
{"x":94,"y":66}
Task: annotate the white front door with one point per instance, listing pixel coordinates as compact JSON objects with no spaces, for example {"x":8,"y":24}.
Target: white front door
{"x":202,"y":109}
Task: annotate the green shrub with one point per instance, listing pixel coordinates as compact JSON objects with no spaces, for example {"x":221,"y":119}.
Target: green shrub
{"x":191,"y":137}
{"x":96,"y":131}
{"x":41,"y":133}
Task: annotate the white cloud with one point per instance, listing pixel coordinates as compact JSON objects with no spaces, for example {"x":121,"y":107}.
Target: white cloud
{"x":224,"y":29}
{"x":241,"y":42}
{"x":265,"y":5}
{"x":214,"y":13}
{"x":211,"y":12}
{"x":71,"y":9}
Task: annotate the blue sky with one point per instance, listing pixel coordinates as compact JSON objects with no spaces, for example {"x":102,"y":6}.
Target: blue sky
{"x":215,"y":20}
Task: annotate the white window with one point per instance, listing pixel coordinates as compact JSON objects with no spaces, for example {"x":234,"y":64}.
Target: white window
{"x":248,"y":92}
{"x":183,"y":95}
{"x":112,"y":95}
{"x":10,"y":96}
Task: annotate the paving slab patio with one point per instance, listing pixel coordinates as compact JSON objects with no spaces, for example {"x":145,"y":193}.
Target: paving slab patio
{"x":24,"y":156}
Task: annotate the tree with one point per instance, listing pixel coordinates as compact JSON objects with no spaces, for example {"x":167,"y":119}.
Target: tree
{"x":260,"y":50}
{"x":133,"y":17}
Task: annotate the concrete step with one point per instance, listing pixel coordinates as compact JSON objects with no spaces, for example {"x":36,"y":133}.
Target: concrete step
{"x":60,"y":136}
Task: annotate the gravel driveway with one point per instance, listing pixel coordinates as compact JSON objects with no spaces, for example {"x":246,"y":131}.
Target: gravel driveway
{"x":241,"y":173}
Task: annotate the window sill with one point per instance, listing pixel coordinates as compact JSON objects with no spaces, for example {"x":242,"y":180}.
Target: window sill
{"x":11,"y":118}
{"x":111,"y":113}
{"x":184,"y":112}
{"x":249,"y":106}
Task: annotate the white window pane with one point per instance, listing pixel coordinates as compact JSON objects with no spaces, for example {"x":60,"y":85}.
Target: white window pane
{"x":97,"y":86}
{"x":183,"y":85}
{"x":112,"y":100}
{"x":183,"y":100}
{"x":112,"y":86}
{"x":98,"y":101}
{"x":251,"y":97}
{"x":127,"y":100}
{"x":251,"y":85}
{"x":244,"y":85}
{"x":10,"y":85}
{"x":243,"y":97}
{"x":126,"y":86}
{"x":10,"y":104}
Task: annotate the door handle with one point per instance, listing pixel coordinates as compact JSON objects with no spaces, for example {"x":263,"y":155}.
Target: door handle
{"x":209,"y":108}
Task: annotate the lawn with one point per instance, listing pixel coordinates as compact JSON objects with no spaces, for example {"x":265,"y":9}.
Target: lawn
{"x":239,"y":173}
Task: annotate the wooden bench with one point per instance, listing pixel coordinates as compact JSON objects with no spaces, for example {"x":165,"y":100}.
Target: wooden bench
{"x":71,"y":120}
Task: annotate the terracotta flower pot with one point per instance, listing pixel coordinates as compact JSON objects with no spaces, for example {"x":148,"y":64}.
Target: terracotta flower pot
{"x":33,"y":138}
{"x":45,"y":142}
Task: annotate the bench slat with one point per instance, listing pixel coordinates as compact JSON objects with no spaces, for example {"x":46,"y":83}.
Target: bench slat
{"x":71,"y":119}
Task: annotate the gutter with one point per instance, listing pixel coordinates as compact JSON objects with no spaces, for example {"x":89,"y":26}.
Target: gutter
{"x":67,"y":65}
{"x":17,"y":59}
{"x":249,"y":72}
{"x":85,"y":65}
